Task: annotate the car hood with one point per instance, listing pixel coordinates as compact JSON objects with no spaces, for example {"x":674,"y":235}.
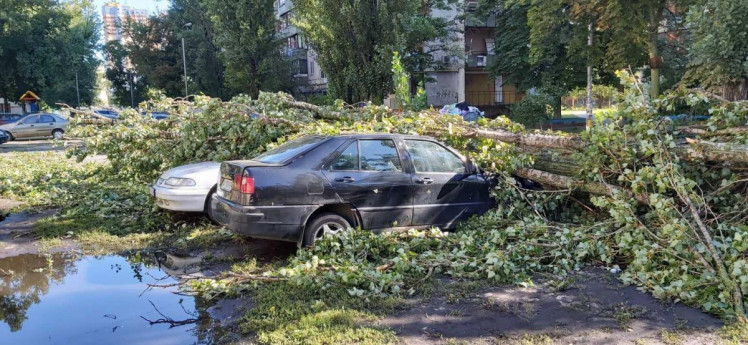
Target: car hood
{"x":204,"y":174}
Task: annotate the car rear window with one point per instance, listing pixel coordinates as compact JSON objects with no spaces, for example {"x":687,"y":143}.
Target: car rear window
{"x":289,"y":150}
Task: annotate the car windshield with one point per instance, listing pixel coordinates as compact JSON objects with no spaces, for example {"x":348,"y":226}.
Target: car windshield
{"x":289,"y":150}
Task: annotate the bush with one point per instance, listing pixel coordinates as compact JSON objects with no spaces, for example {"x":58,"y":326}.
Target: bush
{"x":533,"y":110}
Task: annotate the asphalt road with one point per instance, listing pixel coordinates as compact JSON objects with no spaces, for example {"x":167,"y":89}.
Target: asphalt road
{"x":44,"y":145}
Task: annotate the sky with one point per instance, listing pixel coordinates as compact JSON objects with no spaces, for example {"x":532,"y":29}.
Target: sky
{"x":152,"y":6}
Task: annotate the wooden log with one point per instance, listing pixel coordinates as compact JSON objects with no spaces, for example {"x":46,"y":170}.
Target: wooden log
{"x":716,"y":152}
{"x":571,"y":142}
{"x":560,"y":181}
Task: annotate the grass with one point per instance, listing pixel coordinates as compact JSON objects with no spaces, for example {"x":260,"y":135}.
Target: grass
{"x":286,"y":313}
{"x":569,"y":114}
{"x":734,"y":334}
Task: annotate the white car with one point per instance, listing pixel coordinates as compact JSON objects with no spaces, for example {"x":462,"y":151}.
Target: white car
{"x":187,"y":188}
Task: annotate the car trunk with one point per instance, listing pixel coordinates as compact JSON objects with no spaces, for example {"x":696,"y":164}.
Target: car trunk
{"x":237,"y":182}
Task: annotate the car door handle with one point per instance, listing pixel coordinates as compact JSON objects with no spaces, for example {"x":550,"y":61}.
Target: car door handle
{"x":346,"y":179}
{"x":425,"y":180}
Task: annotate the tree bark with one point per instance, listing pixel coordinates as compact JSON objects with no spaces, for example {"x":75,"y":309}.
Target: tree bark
{"x":655,"y":60}
{"x":560,"y":181}
{"x":531,"y":140}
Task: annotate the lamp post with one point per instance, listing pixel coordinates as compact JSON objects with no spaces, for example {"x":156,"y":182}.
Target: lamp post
{"x":184,"y":59}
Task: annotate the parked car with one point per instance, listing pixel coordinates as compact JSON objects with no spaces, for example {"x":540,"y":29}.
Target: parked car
{"x":108,"y":113}
{"x":156,"y":115}
{"x":187,"y":188}
{"x":37,"y":125}
{"x":9,"y":118}
{"x":317,"y":185}
{"x":4,"y":137}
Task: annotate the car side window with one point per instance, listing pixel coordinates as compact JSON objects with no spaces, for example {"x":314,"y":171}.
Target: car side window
{"x":428,"y":156}
{"x":348,"y":160}
{"x":46,"y":119}
{"x":30,"y":120}
{"x":379,"y":155}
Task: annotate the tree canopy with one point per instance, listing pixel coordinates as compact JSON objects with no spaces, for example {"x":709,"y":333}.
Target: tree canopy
{"x":43,"y":45}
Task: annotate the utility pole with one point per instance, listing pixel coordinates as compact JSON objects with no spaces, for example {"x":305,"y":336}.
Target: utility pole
{"x":590,"y":115}
{"x":184,"y":60}
{"x":77,"y":90}
{"x":132,"y":93}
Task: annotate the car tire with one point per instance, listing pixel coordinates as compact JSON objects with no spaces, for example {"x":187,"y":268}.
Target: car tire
{"x":58,"y":134}
{"x":208,"y":209}
{"x":323,"y":223}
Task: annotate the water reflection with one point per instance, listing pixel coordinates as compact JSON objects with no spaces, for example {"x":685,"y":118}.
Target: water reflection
{"x":67,"y":299}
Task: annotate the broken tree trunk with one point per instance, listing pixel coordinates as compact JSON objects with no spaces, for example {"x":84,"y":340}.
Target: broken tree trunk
{"x":560,"y":181}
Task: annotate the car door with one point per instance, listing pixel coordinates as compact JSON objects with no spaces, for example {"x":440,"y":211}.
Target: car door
{"x":445,"y":190}
{"x":26,"y":127}
{"x":369,"y":175}
{"x":44,"y":125}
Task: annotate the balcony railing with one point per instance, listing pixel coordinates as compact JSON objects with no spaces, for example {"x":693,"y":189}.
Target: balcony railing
{"x":479,"y":98}
{"x":297,"y":53}
{"x":478,"y":59}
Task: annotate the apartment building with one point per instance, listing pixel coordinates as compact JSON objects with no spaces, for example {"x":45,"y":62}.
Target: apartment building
{"x":113,"y":14}
{"x":464,"y":77}
{"x":459,"y":74}
{"x":310,"y":76}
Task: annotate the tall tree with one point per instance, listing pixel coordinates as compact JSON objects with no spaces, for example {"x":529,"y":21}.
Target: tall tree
{"x":250,"y":50}
{"x":122,"y":79}
{"x":43,"y":45}
{"x":205,"y":70}
{"x":354,"y":40}
{"x":156,"y":53}
{"x":719,"y":52}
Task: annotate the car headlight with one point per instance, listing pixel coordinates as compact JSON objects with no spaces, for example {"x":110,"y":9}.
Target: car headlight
{"x":179,"y":182}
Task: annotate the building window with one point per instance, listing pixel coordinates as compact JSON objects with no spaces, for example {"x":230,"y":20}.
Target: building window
{"x":303,"y":67}
{"x":293,"y":42}
{"x":311,"y":67}
{"x":322,"y":73}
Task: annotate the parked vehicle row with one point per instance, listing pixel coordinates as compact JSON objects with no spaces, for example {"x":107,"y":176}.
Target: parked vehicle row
{"x":319,"y":185}
{"x":36,"y":126}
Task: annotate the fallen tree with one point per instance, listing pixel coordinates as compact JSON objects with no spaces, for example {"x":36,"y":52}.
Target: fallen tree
{"x":669,"y":209}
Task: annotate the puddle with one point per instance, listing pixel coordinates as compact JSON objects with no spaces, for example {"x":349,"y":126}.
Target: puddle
{"x":70,"y":299}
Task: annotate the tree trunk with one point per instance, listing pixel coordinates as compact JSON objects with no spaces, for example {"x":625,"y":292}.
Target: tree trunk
{"x":560,"y":181}
{"x":736,"y":90}
{"x":655,"y":60}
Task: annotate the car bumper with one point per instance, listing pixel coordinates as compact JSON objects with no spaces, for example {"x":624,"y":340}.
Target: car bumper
{"x":285,"y":223}
{"x":180,"y":199}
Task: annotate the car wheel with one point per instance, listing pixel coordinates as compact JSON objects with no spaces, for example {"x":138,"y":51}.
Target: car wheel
{"x":57,"y":134}
{"x":208,"y":208}
{"x":322,"y":225}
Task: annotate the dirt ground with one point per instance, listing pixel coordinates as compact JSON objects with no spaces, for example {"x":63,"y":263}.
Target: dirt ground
{"x":591,"y":307}
{"x":594,"y":309}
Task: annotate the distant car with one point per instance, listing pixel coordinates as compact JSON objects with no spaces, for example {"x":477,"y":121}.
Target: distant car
{"x":317,"y":185}
{"x":9,"y":118}
{"x":187,"y":188}
{"x":108,"y":113}
{"x":4,"y":137}
{"x":36,"y":126}
{"x":156,"y":115}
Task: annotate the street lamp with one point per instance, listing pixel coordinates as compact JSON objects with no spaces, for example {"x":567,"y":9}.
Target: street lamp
{"x":184,"y":59}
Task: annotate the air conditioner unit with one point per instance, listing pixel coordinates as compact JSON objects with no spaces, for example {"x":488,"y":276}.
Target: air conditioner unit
{"x":480,"y":60}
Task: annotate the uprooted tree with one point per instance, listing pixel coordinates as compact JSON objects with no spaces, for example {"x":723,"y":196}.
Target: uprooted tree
{"x":665,"y":201}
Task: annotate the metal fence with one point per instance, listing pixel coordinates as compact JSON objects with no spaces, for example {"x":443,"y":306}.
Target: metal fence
{"x":492,"y":97}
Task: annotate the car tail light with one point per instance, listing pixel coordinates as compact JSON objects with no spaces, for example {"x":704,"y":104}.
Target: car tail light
{"x":244,"y":183}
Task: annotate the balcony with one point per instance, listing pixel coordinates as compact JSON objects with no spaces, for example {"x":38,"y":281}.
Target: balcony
{"x":295,"y":53}
{"x":479,"y":60}
{"x":484,"y":98}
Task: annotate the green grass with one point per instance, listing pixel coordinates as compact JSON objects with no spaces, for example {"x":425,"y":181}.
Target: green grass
{"x":286,"y":313}
{"x":570,"y":114}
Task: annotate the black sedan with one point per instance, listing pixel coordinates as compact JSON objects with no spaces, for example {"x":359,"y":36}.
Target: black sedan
{"x":4,"y":137}
{"x":319,"y":185}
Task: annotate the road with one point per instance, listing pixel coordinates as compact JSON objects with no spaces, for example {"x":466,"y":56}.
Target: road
{"x":45,"y":145}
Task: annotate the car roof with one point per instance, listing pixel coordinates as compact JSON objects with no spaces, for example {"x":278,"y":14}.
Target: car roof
{"x":382,"y":136}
